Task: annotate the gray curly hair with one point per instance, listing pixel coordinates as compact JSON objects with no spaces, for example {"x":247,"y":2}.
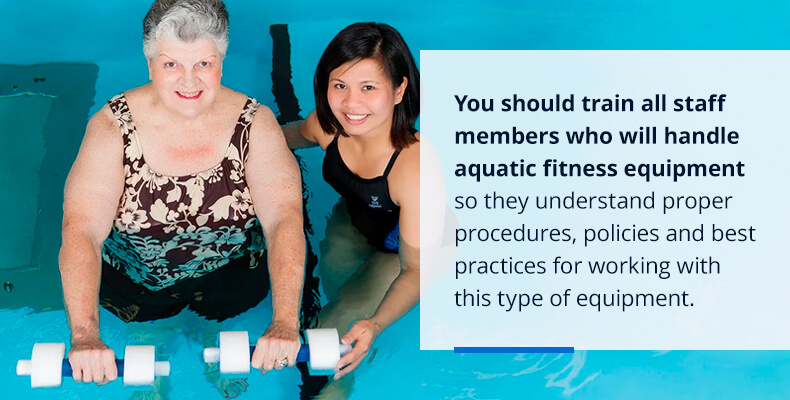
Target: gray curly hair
{"x":187,"y":21}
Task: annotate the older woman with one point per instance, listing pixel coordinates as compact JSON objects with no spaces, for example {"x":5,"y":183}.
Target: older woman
{"x":184,"y":194}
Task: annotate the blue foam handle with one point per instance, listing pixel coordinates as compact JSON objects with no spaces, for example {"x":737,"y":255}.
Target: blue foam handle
{"x":302,"y":356}
{"x":68,"y":372}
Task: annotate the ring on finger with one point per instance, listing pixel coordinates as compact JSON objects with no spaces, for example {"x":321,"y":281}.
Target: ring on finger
{"x":281,"y":363}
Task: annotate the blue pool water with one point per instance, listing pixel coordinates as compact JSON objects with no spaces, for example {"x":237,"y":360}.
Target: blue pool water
{"x":60,"y":61}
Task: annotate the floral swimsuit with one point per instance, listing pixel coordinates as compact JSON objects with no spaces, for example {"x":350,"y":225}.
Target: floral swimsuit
{"x":173,"y":229}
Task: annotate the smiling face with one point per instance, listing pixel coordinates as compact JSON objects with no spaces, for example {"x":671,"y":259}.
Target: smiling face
{"x":363,"y":98}
{"x":186,"y":76}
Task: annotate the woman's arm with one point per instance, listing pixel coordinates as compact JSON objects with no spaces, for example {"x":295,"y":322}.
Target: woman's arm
{"x":305,"y":133}
{"x":404,"y":292}
{"x":276,"y":190}
{"x":93,"y":187}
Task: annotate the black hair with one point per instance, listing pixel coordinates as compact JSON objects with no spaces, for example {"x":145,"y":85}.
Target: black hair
{"x":381,"y":42}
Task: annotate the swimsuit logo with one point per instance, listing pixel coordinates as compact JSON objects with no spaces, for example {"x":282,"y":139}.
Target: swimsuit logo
{"x":374,"y":202}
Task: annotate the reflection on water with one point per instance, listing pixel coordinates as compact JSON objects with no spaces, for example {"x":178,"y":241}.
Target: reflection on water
{"x":573,"y":368}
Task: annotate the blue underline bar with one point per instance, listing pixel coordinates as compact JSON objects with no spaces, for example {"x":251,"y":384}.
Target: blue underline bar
{"x":489,"y":350}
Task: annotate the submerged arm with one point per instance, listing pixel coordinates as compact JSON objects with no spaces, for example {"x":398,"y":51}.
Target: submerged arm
{"x":404,"y":292}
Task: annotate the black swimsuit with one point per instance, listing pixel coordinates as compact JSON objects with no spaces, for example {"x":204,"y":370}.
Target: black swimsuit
{"x":368,"y":201}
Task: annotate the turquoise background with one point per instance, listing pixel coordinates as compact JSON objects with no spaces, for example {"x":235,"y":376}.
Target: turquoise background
{"x":90,"y":50}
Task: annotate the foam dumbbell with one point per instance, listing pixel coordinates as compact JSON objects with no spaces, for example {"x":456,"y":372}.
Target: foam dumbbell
{"x":321,"y":352}
{"x":47,"y":367}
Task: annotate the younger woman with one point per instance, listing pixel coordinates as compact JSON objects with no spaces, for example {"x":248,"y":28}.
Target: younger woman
{"x":367,"y":101}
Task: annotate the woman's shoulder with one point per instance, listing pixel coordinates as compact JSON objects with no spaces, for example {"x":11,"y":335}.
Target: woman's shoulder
{"x":410,"y":157}
{"x":103,"y":121}
{"x":405,"y":175}
{"x":231,"y":101}
{"x":102,"y":132}
{"x":264,"y":122}
{"x":228,"y":94}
